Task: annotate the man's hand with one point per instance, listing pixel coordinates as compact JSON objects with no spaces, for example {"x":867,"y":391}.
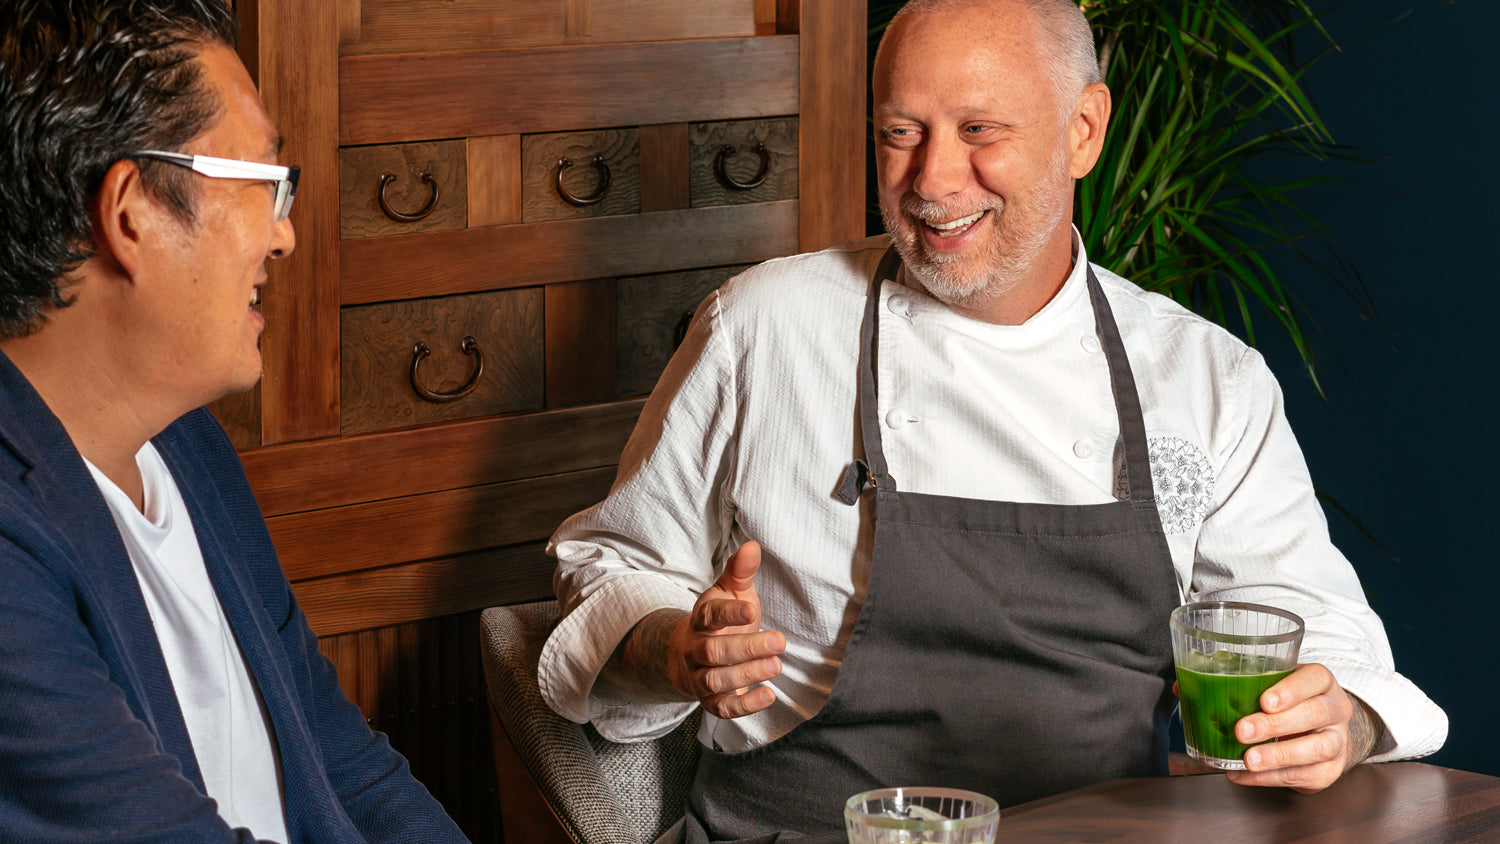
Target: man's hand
{"x":1322,"y":732}
{"x":719,"y":651}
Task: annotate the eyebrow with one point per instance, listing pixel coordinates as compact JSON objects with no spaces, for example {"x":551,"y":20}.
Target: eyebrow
{"x":276,"y":144}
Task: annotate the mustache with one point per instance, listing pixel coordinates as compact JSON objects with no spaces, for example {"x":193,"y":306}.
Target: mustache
{"x":929,"y":211}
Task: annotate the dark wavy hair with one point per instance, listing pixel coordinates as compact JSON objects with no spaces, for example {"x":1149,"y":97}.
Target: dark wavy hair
{"x":84,"y":83}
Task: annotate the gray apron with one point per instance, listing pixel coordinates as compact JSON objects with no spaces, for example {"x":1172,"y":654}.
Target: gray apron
{"x":1018,"y":650}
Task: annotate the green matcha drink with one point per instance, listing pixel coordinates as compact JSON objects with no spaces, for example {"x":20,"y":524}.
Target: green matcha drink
{"x":1227,"y":653}
{"x":1225,"y":688}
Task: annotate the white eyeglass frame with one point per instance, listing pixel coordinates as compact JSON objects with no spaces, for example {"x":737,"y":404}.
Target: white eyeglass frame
{"x":285,"y":178}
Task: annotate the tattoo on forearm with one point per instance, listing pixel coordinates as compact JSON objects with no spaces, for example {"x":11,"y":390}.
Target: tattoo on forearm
{"x":639,"y":664}
{"x":1365,"y":732}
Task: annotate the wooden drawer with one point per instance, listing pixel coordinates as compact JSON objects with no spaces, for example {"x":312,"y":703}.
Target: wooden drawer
{"x":651,"y":311}
{"x":402,"y":188}
{"x":571,"y":175}
{"x":385,"y":375}
{"x":739,"y":161}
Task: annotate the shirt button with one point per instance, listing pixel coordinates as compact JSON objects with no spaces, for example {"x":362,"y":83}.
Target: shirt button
{"x":1083,"y":450}
{"x":897,"y":304}
{"x":895,"y":419}
{"x":1090,"y":343}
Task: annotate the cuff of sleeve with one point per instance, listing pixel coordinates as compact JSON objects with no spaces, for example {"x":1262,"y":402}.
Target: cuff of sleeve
{"x":1414,"y":725}
{"x":583,"y":641}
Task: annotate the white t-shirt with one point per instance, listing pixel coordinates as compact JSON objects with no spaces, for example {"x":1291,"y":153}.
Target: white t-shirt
{"x":226,"y":718}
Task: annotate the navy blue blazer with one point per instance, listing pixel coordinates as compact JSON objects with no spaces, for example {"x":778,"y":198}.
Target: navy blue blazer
{"x":93,"y":746}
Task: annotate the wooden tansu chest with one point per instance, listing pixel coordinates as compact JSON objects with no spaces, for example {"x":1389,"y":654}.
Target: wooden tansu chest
{"x":508,"y":210}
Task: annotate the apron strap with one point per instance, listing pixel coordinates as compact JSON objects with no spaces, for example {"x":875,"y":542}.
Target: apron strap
{"x":872,"y":468}
{"x":1127,"y":400}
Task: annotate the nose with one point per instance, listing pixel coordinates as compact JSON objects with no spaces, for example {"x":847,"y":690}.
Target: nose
{"x":944,"y":168}
{"x":283,"y":238}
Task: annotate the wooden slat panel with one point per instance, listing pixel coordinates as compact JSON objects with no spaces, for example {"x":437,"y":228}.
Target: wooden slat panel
{"x":299,"y":477}
{"x":383,"y":269}
{"x":437,"y":524}
{"x":349,"y":14}
{"x":494,"y":180}
{"x":579,"y":18}
{"x":580,"y":342}
{"x":239,"y":414}
{"x":663,"y":20}
{"x":402,"y":26}
{"x":408,"y":97}
{"x":707,"y":141}
{"x":298,"y":76}
{"x":541,"y":165}
{"x":832,"y":122}
{"x":379,"y":389}
{"x":362,"y":172}
{"x":351,"y":602}
{"x":422,"y":683}
{"x":664,"y":167}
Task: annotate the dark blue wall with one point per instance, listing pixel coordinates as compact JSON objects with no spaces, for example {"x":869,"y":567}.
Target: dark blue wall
{"x":1406,"y":438}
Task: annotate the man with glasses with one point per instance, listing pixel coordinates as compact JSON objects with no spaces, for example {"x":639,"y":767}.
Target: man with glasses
{"x":158,"y":681}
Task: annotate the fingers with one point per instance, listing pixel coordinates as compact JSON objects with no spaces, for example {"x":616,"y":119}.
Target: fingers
{"x":738,"y":705}
{"x":1308,"y":714}
{"x":739,"y":571}
{"x":734,"y":665}
{"x":732,"y":602}
{"x":724,"y":614}
{"x":1308,"y":699}
{"x":725,"y":652}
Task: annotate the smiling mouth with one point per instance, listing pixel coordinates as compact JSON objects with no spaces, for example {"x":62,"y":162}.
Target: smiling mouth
{"x":953,"y":228}
{"x":255,"y":298}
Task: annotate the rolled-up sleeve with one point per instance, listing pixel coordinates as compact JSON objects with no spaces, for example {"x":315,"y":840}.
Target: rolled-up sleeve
{"x":654,"y":543}
{"x":1267,"y":541}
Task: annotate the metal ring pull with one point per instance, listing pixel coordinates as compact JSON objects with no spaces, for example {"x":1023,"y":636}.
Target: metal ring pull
{"x":470,"y":347}
{"x":599,"y":164}
{"x":755,"y":181}
{"x":385,"y":205}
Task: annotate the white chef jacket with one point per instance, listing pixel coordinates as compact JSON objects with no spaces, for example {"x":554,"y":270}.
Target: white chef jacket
{"x":754,"y":422}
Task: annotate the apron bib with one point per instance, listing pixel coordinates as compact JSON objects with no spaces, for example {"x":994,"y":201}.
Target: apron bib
{"x":1017,"y":650}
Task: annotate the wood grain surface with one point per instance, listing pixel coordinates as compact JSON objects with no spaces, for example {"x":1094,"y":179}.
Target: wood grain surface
{"x":1372,"y":804}
{"x":541,"y":157}
{"x":361,"y":170}
{"x":404,"y":26}
{"x":706,"y":140}
{"x":378,"y":351}
{"x":648,"y":312}
{"x":422,"y":96}
{"x":381,"y":269}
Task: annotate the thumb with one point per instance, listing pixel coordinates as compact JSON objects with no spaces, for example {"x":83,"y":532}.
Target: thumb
{"x":739,"y":571}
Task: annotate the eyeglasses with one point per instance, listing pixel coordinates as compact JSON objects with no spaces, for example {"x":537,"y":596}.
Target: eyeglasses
{"x":285,"y":178}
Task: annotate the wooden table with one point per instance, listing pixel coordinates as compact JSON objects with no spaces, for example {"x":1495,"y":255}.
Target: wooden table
{"x":1403,"y":801}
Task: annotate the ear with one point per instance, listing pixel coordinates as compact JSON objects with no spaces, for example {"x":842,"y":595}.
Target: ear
{"x":1086,"y":129}
{"x":125,"y":214}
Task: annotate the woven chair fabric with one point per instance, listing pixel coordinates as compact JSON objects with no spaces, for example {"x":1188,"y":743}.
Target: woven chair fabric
{"x":602,"y":792}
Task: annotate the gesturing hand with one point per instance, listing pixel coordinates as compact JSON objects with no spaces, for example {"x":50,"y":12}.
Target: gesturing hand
{"x":718,"y":652}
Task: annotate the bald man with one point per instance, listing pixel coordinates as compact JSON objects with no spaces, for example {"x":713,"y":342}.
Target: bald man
{"x":915,"y":509}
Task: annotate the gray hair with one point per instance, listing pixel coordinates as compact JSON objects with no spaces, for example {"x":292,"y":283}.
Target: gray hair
{"x":1069,"y":44}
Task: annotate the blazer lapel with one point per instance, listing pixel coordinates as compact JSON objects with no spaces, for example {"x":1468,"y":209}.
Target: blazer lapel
{"x":66,"y":500}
